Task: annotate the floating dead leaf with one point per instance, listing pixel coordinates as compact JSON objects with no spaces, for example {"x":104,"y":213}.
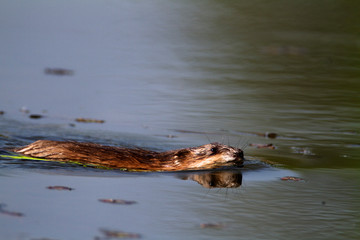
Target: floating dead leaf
{"x":271,"y":135}
{"x":117,"y":201}
{"x":119,"y":234}
{"x":9,"y":213}
{"x":60,"y":188}
{"x":59,"y":71}
{"x":212,"y":225}
{"x":291,"y":178}
{"x":2,"y":112}
{"x":35,"y":116}
{"x":259,"y":145}
{"x":89,"y":120}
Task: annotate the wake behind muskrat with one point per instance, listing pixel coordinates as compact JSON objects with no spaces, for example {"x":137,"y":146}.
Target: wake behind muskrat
{"x":209,"y":156}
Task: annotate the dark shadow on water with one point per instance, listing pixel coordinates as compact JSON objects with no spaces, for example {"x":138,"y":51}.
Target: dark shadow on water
{"x":215,"y":179}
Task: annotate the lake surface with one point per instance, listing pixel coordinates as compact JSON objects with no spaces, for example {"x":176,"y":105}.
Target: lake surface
{"x":166,"y":75}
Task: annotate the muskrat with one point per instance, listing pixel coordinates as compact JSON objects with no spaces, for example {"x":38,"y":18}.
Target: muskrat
{"x":208,"y":156}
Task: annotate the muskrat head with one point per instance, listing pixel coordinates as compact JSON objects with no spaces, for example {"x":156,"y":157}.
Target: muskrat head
{"x":214,"y":155}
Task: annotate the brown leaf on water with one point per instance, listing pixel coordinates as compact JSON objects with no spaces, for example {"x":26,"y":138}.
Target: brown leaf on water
{"x":259,"y":145}
{"x":35,"y":116}
{"x":212,"y":225}
{"x":116,"y":201}
{"x":59,"y":71}
{"x":119,"y":234}
{"x":89,"y":120}
{"x":60,"y":188}
{"x":10,"y":213}
{"x":291,"y":178}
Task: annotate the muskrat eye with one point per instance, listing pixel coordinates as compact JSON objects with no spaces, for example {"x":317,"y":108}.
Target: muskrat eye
{"x":214,"y":150}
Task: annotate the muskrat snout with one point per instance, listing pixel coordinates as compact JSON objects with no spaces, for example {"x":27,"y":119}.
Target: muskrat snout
{"x":239,"y":154}
{"x":239,"y":157}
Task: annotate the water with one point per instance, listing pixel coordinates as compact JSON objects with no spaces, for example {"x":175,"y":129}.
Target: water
{"x":166,"y":75}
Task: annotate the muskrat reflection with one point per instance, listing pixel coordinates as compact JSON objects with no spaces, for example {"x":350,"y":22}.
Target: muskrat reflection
{"x":216,"y":179}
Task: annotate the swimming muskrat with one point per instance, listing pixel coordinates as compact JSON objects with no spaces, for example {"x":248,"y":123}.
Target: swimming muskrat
{"x":209,"y":156}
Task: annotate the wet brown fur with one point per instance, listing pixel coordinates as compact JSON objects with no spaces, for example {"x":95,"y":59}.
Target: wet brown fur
{"x":208,"y":156}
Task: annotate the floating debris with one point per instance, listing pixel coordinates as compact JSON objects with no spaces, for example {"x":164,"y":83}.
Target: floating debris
{"x":60,"y":188}
{"x":212,"y":225}
{"x":271,"y":135}
{"x":2,"y":112}
{"x":259,"y":145}
{"x":304,"y":151}
{"x":293,"y":179}
{"x":35,"y":116}
{"x":119,"y":234}
{"x":89,"y":120}
{"x":59,"y":71}
{"x":117,"y":201}
{"x":10,"y":213}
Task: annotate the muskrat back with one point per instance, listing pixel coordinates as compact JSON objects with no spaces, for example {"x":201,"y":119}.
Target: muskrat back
{"x":208,"y":156}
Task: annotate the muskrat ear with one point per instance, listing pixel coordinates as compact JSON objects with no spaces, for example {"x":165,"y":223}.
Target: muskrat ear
{"x":182,"y":153}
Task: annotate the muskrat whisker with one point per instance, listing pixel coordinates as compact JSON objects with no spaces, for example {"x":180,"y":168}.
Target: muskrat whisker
{"x":245,"y":145}
{"x":242,"y":143}
{"x":208,"y":138}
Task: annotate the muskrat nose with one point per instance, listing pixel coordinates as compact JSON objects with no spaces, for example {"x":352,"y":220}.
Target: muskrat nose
{"x":239,"y":159}
{"x":239,"y":155}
